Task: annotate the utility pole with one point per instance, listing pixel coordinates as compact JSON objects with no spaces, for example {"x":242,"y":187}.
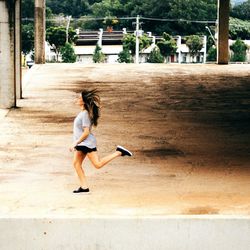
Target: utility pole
{"x":67,"y":29}
{"x":137,"y":40}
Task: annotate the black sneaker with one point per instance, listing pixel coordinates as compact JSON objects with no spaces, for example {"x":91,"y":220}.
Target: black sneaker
{"x":124,"y":151}
{"x":81,"y":190}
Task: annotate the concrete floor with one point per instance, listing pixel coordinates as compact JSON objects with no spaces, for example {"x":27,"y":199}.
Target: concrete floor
{"x":187,"y":125}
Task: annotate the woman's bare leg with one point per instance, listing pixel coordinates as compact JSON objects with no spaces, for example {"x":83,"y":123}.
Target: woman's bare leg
{"x":98,"y":163}
{"x":77,"y":163}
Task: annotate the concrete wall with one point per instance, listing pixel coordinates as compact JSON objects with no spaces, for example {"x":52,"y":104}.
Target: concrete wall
{"x":177,"y":233}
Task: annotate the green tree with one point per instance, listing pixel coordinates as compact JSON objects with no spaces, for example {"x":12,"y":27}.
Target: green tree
{"x":49,"y":17}
{"x":155,"y":56}
{"x":167,"y":45}
{"x":75,"y":8}
{"x":98,"y":56}
{"x":239,"y":51}
{"x":27,"y":8}
{"x":171,"y":9}
{"x":212,"y":54}
{"x":125,"y":56}
{"x":239,"y":29}
{"x":108,"y":8}
{"x":129,"y":42}
{"x":241,"y":11}
{"x":195,"y":44}
{"x":28,"y":12}
{"x":56,"y":36}
{"x":27,"y":38}
{"x":181,"y":9}
{"x":68,"y":53}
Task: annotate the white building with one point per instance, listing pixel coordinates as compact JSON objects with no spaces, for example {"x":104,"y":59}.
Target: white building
{"x":111,"y":44}
{"x":85,"y":53}
{"x":184,"y":55}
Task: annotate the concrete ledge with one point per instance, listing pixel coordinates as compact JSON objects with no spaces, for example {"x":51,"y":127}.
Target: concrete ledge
{"x":174,"y":233}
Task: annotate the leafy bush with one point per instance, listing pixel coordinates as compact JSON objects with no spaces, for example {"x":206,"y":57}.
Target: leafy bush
{"x":68,"y":53}
{"x":98,"y":56}
{"x":125,"y":57}
{"x":212,"y":54}
{"x":239,"y":51}
{"x":155,"y":56}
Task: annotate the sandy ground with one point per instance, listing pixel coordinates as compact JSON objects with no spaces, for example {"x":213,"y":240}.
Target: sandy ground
{"x":187,"y":125}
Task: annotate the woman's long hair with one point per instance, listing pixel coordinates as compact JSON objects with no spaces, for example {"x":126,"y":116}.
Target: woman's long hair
{"x":91,"y":101}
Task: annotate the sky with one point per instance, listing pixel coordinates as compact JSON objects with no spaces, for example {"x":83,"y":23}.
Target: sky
{"x":237,"y":1}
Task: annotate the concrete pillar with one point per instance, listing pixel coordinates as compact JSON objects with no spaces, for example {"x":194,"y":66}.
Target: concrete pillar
{"x":40,"y":31}
{"x":18,"y":72}
{"x":223,"y":30}
{"x":7,"y":54}
{"x":205,"y":49}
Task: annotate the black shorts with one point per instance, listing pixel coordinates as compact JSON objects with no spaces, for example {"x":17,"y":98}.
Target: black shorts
{"x":85,"y":149}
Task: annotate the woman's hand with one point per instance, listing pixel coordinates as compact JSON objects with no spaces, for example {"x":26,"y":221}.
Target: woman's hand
{"x":72,"y":147}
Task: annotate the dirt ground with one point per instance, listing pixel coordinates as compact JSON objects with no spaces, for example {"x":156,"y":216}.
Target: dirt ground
{"x":187,"y":125}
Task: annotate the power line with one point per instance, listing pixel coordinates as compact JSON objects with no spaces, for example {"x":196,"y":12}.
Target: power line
{"x":75,"y":18}
{"x":124,"y":18}
{"x":178,"y":20}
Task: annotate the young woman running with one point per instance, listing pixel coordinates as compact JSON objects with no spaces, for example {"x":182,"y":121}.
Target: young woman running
{"x":84,"y":141}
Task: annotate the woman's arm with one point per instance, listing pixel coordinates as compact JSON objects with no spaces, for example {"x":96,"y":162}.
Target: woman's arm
{"x":84,"y":135}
